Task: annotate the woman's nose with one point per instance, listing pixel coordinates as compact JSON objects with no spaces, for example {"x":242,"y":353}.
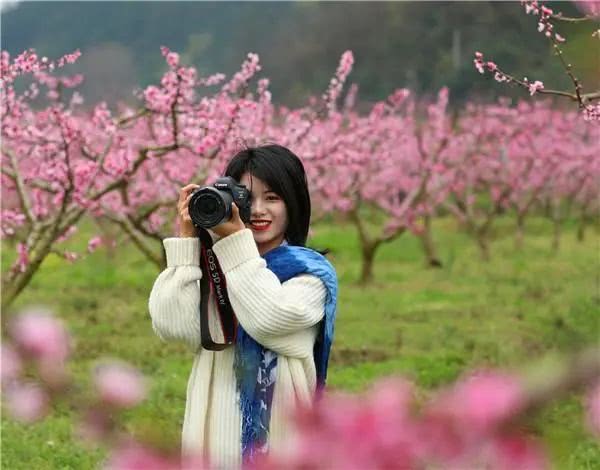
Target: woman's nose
{"x":257,"y":207}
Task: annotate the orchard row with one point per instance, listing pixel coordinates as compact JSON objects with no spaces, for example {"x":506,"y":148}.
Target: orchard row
{"x":403,"y":157}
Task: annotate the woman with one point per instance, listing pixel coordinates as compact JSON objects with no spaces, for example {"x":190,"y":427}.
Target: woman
{"x":283,"y":296}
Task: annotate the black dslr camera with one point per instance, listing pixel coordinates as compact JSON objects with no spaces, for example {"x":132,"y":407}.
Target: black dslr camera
{"x":211,"y":205}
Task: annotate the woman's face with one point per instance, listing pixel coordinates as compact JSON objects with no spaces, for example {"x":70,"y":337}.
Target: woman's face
{"x":268,"y":218}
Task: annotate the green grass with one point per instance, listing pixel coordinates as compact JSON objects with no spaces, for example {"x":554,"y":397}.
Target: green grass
{"x":429,"y":325}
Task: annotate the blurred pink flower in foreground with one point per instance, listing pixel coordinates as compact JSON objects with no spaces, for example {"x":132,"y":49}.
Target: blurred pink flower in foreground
{"x":515,"y":452}
{"x":132,"y":455}
{"x":41,"y":336}
{"x":589,"y":7}
{"x":593,"y":410}
{"x":26,"y":402}
{"x":461,"y":427}
{"x":481,"y":401}
{"x":119,"y":384}
{"x":11,"y":364}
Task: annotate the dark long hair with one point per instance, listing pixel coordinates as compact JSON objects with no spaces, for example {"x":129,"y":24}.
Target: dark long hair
{"x":284,"y":173}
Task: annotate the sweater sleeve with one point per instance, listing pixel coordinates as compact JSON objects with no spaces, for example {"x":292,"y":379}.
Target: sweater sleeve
{"x":175,"y":296}
{"x":266,"y":308}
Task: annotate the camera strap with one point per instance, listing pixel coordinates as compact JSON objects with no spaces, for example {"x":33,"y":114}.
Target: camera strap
{"x":213,"y":280}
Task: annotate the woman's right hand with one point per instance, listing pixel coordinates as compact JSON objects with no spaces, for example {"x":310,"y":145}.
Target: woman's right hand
{"x":186,"y":227}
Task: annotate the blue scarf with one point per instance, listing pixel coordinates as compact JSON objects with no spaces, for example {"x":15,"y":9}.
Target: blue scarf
{"x":256,"y":366}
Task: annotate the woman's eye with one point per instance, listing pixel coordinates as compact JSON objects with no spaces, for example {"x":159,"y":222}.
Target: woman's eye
{"x":272,"y":198}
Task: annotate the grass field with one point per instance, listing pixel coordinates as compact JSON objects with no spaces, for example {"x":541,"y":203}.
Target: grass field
{"x":428,"y":325}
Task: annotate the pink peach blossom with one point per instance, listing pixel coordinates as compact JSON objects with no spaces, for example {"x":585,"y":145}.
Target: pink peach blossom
{"x":40,"y":335}
{"x":94,"y":243}
{"x":26,"y":402}
{"x":134,"y":456}
{"x":592,"y":409}
{"x":119,"y":384}
{"x":11,"y":364}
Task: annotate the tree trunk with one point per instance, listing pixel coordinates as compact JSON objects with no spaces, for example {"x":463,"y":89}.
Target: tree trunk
{"x":484,"y":248}
{"x":556,"y":236}
{"x":160,"y":260}
{"x":368,"y":255}
{"x":15,"y":281}
{"x":583,"y":221}
{"x":548,"y":207}
{"x":432,"y":260}
{"x":556,"y":216}
{"x":520,"y":233}
{"x":581,"y":227}
{"x":41,"y":239}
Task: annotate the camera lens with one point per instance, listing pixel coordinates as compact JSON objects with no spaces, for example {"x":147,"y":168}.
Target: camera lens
{"x":209,"y":207}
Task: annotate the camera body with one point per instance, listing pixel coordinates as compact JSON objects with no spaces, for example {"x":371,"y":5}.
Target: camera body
{"x":211,"y":205}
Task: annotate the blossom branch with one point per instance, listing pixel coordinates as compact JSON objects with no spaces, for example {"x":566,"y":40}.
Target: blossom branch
{"x":23,"y":198}
{"x":547,"y":28}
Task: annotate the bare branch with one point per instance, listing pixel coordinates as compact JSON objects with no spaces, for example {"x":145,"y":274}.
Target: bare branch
{"x":136,"y":237}
{"x":559,"y":16}
{"x":125,"y":120}
{"x":35,"y":183}
{"x":21,"y":190}
{"x":143,"y":155}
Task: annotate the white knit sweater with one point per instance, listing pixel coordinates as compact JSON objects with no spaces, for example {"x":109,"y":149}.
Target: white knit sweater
{"x":281,"y":317}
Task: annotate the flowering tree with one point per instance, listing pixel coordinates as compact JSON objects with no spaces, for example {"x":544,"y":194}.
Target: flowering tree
{"x":59,"y":162}
{"x":209,"y":129}
{"x":401,"y":161}
{"x":53,"y":165}
{"x":548,"y":144}
{"x":567,"y":179}
{"x":573,"y":187}
{"x":514,"y":158}
{"x":546,"y":18}
{"x":476,"y":177}
{"x":198,"y":128}
{"x":475,"y":422}
{"x":384,"y":164}
{"x":326,"y":138}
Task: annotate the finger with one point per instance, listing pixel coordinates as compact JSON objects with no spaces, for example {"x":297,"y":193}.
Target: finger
{"x":184,"y":203}
{"x":235,"y":211}
{"x":186,"y":189}
{"x":235,"y":214}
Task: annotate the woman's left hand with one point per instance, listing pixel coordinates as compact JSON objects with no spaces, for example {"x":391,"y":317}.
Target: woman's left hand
{"x":235,"y":224}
